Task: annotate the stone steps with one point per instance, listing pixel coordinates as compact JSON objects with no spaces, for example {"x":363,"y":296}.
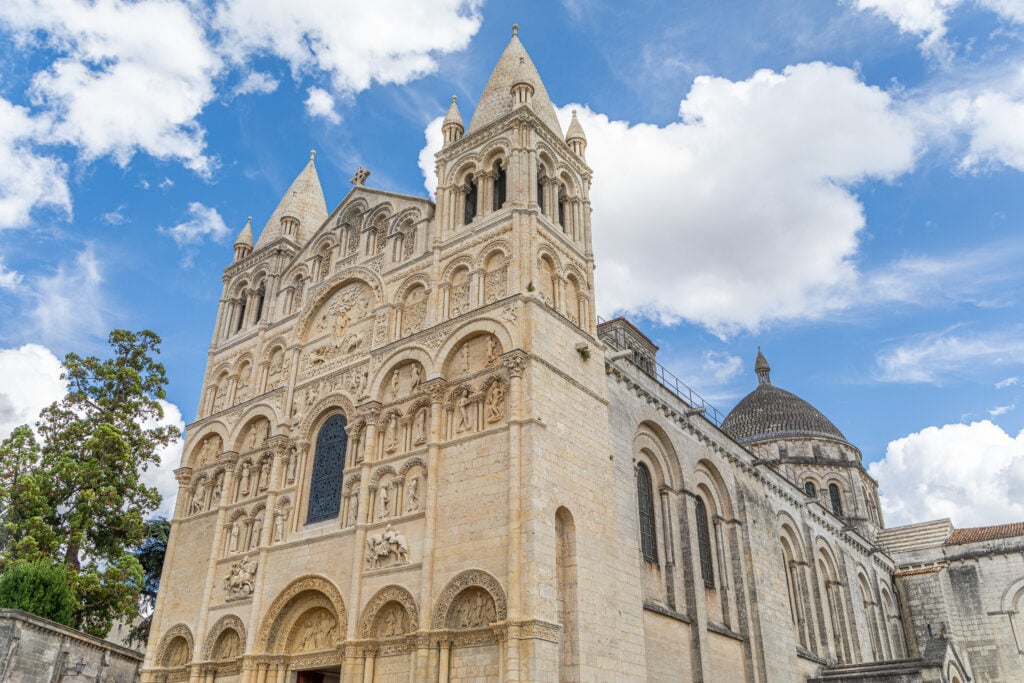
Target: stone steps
{"x":915,"y":536}
{"x":893,"y":671}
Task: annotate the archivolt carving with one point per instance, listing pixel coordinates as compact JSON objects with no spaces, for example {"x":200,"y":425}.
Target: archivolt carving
{"x":300,"y":596}
{"x":328,"y":403}
{"x":410,"y":463}
{"x":228,"y":622}
{"x":381,"y":598}
{"x":466,"y":579}
{"x":172,"y":656}
{"x":380,"y":472}
{"x":352,"y":275}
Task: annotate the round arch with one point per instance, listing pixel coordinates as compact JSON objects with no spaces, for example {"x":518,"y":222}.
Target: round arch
{"x":300,"y":596}
{"x":388,"y":594}
{"x":462,"y":581}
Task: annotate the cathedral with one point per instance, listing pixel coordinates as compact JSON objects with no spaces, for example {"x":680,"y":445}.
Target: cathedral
{"x":419,"y":456}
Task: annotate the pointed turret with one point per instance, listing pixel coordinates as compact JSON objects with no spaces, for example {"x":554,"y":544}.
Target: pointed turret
{"x":301,"y":211}
{"x":515,"y":70}
{"x":243,"y":243}
{"x":576,"y":138}
{"x":452,"y":127}
{"x":762,"y":368}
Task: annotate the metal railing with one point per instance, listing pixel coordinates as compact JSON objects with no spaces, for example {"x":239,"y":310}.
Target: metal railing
{"x":645,"y":362}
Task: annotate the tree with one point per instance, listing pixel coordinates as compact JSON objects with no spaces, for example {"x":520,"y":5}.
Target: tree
{"x":39,"y":588}
{"x":151,"y":556}
{"x":75,"y":497}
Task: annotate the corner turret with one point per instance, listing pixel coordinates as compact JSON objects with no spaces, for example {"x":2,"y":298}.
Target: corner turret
{"x":452,"y":127}
{"x":576,"y":138}
{"x":243,"y":243}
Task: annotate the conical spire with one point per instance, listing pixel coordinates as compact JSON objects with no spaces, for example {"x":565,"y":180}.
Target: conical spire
{"x":243,"y":243}
{"x":513,"y":66}
{"x":452,"y":126}
{"x":762,"y":368}
{"x":245,"y":236}
{"x":301,"y":211}
{"x":575,"y":137}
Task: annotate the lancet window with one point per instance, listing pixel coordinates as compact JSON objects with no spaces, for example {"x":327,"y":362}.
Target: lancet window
{"x":645,"y":502}
{"x":328,"y":466}
{"x":836,"y":499}
{"x":707,"y":571}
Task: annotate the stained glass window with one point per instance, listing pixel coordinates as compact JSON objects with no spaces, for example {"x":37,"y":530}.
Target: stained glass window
{"x":328,"y":465}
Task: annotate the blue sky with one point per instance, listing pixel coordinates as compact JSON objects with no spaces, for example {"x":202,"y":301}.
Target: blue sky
{"x":841,"y":183}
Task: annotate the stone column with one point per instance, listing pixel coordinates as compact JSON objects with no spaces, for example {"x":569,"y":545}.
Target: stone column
{"x":446,"y":648}
{"x":670,"y":551}
{"x":437,"y":389}
{"x":228,"y":459}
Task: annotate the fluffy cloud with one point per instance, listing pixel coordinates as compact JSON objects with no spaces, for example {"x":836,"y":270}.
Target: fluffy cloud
{"x":9,"y":279}
{"x":256,"y":82}
{"x":203,"y":222}
{"x":29,"y":381}
{"x":27,"y":179}
{"x":928,"y":18}
{"x":973,"y":474}
{"x":762,"y":223}
{"x":320,"y":103}
{"x":434,"y":142}
{"x":68,"y":304}
{"x":388,"y":41}
{"x":934,"y":357}
{"x":130,"y":76}
{"x":993,"y":121}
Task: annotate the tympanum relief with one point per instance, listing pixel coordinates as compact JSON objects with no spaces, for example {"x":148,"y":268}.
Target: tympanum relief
{"x":386,"y":549}
{"x":316,"y":630}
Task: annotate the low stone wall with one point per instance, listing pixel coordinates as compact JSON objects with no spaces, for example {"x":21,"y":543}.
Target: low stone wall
{"x":37,"y":650}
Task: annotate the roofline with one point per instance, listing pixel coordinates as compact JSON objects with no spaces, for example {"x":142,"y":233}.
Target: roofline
{"x":632,"y":327}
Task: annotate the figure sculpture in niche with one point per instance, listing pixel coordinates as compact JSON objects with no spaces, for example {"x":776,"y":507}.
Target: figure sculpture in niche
{"x":465,"y":357}
{"x":279,"y":517}
{"x":198,"y":498}
{"x":412,"y":494}
{"x":179,"y":655}
{"x":257,"y":529}
{"x":420,"y":426}
{"x":218,"y":488}
{"x":391,"y":625}
{"x":463,"y":410}
{"x":233,"y":543}
{"x":417,"y":376}
{"x":475,"y":610}
{"x":244,"y":485}
{"x":391,"y":434}
{"x":395,"y":385}
{"x":353,"y":508}
{"x":384,"y":503}
{"x":495,"y":403}
{"x":264,"y":482}
{"x":492,"y":350}
{"x":293,"y":459}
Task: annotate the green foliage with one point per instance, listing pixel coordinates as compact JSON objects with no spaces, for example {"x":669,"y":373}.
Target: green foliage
{"x":76,"y":498}
{"x":151,"y":556}
{"x":38,"y":588}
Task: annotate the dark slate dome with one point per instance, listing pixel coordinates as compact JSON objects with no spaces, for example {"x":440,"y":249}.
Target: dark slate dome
{"x":769,"y":412}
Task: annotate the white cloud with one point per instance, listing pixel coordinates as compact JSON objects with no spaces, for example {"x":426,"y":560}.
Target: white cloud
{"x":256,"y":82}
{"x":434,"y":143}
{"x":721,"y":367}
{"x":761,"y":225}
{"x":1008,"y":382}
{"x":9,"y":279}
{"x":29,"y":381}
{"x":993,"y":121}
{"x":973,"y":474}
{"x":165,"y":184}
{"x":130,"y":76}
{"x":204,"y":221}
{"x":320,"y":103}
{"x":27,"y":179}
{"x":114,"y":217}
{"x":389,"y":41}
{"x":934,"y":357}
{"x":69,"y":303}
{"x":162,"y":476}
{"x":1001,"y":410}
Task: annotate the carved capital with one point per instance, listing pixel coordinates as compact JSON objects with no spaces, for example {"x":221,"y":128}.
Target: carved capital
{"x":183,"y":475}
{"x":437,"y":388}
{"x":515,"y":362}
{"x":369,"y":412}
{"x":228,"y":458}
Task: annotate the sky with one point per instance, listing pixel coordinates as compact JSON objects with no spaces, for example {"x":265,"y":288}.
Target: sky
{"x":840,"y":182}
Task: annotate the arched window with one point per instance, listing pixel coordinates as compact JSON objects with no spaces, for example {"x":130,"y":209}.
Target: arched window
{"x":810,"y":489}
{"x":645,"y":501}
{"x":261,"y":294}
{"x":470,"y":213}
{"x":563,"y":200}
{"x":241,"y":310}
{"x":328,"y":465}
{"x":500,"y":185}
{"x":541,"y":182}
{"x":707,"y":571}
{"x":837,"y":501}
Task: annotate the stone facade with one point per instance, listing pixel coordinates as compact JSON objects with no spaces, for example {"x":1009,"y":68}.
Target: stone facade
{"x":419,"y":457}
{"x":37,"y":650}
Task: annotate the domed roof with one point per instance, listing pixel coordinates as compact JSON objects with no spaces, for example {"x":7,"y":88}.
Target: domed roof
{"x":769,"y":412}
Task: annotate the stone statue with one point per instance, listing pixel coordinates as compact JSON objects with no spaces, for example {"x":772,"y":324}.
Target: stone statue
{"x":198,"y":498}
{"x":353,"y":508}
{"x":492,"y":350}
{"x":412,"y":494}
{"x":278,"y":527}
{"x":264,"y":481}
{"x":465,"y":357}
{"x":244,"y":484}
{"x":463,"y":410}
{"x":254,"y":537}
{"x":395,"y":388}
{"x":233,"y":543}
{"x":385,"y":507}
{"x":417,"y":376}
{"x":495,"y":407}
{"x":218,"y":488}
{"x":293,"y":460}
{"x":391,"y":434}
{"x":420,"y":426}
